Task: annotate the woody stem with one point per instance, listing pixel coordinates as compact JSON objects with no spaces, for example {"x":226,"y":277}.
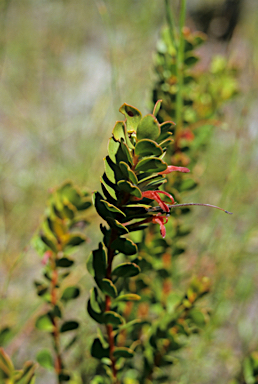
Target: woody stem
{"x":109,"y":327}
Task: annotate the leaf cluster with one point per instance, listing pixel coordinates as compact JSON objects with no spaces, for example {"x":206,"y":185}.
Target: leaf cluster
{"x":133,"y":166}
{"x":57,"y":240}
{"x":9,"y":375}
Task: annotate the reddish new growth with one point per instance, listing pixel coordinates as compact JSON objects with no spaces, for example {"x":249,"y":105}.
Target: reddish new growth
{"x":154,"y":195}
{"x":172,"y":168}
{"x":161,"y":220}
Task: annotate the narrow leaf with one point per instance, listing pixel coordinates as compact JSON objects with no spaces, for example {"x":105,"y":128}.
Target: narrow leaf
{"x":150,"y":165}
{"x":125,"y":246}
{"x":123,"y":352}
{"x":97,"y":349}
{"x":108,"y":287}
{"x":113,"y":318}
{"x":69,"y":326}
{"x":70,"y":293}
{"x":126,"y":270}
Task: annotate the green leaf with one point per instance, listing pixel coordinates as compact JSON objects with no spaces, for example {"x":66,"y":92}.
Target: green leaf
{"x":128,"y":173}
{"x":121,"y":229}
{"x":157,"y":107}
{"x":64,"y":376}
{"x":197,"y":317}
{"x":6,"y":365}
{"x":191,"y":60}
{"x":49,"y":243}
{"x":69,"y":326}
{"x":112,"y":207}
{"x":85,"y":204}
{"x":57,"y":227}
{"x":41,"y":290}
{"x":100,"y":262}
{"x":166,"y":143}
{"x":113,"y":148}
{"x":98,"y":380}
{"x":119,"y":131}
{"x":125,"y":246}
{"x":150,"y":165}
{"x":129,"y":325}
{"x":45,"y":359}
{"x":26,"y":375}
{"x":109,"y":171}
{"x":5,"y":335}
{"x":108,"y":287}
{"x":70,"y":293}
{"x":164,"y":136}
{"x":64,"y":262}
{"x":72,"y":194}
{"x":128,"y":187}
{"x":153,"y":183}
{"x":124,"y":154}
{"x":68,"y":212}
{"x":126,"y":270}
{"x":44,"y":323}
{"x":97,"y":349}
{"x":89,"y":265}
{"x":133,"y":116}
{"x":128,"y":297}
{"x":100,"y":206}
{"x":113,"y":318}
{"x":95,"y":300}
{"x":123,"y":352}
{"x":108,"y":188}
{"x":75,"y":239}
{"x":148,"y":128}
{"x":115,"y":168}
{"x":147,"y":147}
{"x":168,"y":126}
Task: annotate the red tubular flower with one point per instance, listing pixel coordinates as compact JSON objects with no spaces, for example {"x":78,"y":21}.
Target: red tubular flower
{"x":172,"y":168}
{"x":153,"y":195}
{"x":161,"y":220}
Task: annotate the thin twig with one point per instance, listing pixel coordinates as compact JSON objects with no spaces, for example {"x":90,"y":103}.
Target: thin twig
{"x":159,"y":209}
{"x":180,"y":71}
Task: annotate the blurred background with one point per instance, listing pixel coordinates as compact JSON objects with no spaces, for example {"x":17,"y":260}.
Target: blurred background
{"x":65,"y":69}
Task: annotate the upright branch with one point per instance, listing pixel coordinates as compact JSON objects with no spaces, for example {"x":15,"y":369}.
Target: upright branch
{"x":134,"y":171}
{"x":56,"y":239}
{"x":180,"y":70}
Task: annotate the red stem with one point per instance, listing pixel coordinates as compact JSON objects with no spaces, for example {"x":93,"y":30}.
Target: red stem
{"x":109,"y":327}
{"x":56,"y":338}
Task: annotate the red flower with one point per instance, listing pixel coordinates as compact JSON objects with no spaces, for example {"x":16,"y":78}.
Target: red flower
{"x":161,"y":220}
{"x":172,"y":168}
{"x":153,"y":195}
